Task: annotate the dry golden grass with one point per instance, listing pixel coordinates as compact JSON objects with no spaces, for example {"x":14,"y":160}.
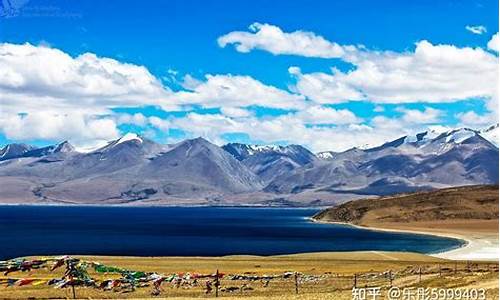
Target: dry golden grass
{"x":468,"y":203}
{"x":337,"y":268}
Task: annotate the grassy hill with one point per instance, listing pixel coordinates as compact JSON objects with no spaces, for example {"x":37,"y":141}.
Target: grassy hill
{"x":466,"y":203}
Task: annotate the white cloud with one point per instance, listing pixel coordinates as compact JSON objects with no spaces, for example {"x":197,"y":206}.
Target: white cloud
{"x":272,"y":39}
{"x":136,"y":119}
{"x":326,"y":115}
{"x":478,"y":29}
{"x":210,"y":126}
{"x":472,"y":119}
{"x":190,"y":83}
{"x":427,"y":116}
{"x":65,"y":97}
{"x":292,"y":128}
{"x":432,"y":73}
{"x":45,"y":75}
{"x":235,"y":112}
{"x":388,"y":124}
{"x":325,"y":88}
{"x":39,"y":75}
{"x":75,"y":127}
{"x":236,"y":91}
{"x":45,"y":82}
{"x":47,"y":94}
{"x":494,"y":42}
{"x":162,"y":124}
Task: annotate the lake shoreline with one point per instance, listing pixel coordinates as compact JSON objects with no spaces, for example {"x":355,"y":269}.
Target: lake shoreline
{"x":470,"y":249}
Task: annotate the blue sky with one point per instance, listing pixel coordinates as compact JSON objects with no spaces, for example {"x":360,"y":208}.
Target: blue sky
{"x":174,"y":39}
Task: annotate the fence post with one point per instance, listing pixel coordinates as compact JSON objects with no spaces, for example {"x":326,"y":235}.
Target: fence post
{"x":70,"y":269}
{"x":355,"y":280}
{"x":217,"y":283}
{"x":455,"y":268}
{"x":296,"y":283}
{"x":390,"y":278}
{"x":439,"y":270}
{"x":419,"y":274}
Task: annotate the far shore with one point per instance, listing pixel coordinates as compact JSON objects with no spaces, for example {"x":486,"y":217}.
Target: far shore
{"x":149,"y":205}
{"x":480,"y":237}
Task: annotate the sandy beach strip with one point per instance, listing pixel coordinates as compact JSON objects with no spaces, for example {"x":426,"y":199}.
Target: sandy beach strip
{"x":480,"y":236}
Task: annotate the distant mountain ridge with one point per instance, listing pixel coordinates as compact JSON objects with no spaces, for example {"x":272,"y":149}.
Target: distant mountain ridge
{"x":270,"y":162}
{"x":425,"y":161}
{"x":136,"y":170}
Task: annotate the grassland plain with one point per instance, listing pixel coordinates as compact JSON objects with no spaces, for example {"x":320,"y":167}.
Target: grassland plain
{"x":322,"y":276}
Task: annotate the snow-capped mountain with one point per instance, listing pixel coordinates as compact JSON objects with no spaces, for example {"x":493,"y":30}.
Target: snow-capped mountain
{"x":14,"y":150}
{"x":134,"y":169}
{"x":131,"y":168}
{"x":429,"y":159}
{"x":23,"y":150}
{"x":269,"y":162}
{"x":243,"y":151}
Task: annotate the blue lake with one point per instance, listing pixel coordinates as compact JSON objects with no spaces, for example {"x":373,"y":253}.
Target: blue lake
{"x":205,"y":231}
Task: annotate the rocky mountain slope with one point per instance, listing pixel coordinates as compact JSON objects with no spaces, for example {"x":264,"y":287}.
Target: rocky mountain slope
{"x":270,"y":162}
{"x":425,"y":161}
{"x":136,"y":170}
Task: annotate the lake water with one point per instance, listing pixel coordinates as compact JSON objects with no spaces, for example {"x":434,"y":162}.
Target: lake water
{"x":205,"y":231}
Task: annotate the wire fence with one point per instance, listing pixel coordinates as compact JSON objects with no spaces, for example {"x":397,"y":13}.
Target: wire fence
{"x":219,"y":284}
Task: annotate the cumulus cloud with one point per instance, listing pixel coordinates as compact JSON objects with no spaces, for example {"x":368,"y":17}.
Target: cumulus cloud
{"x":162,"y":124}
{"x":235,"y":112}
{"x":272,"y":39}
{"x":494,"y":42}
{"x":325,"y":88}
{"x":432,"y":73}
{"x":478,"y":29}
{"x":87,"y":81}
{"x":296,"y":128}
{"x":236,"y":91}
{"x":472,"y":119}
{"x":39,"y":81}
{"x":49,"y":125}
{"x":136,"y":119}
{"x":49,"y":95}
{"x":326,"y":115}
{"x":427,"y":116}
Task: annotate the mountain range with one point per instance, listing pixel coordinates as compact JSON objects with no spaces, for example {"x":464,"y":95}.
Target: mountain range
{"x":134,"y":170}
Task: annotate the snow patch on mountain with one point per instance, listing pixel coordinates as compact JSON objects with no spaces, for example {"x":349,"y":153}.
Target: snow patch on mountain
{"x":129,"y":137}
{"x":326,"y":155}
{"x":460,"y":135}
{"x":490,"y":134}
